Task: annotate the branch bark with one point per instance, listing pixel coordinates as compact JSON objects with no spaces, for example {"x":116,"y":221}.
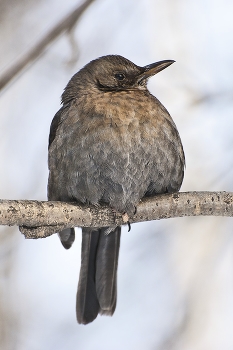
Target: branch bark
{"x":41,"y":219}
{"x":66,"y":24}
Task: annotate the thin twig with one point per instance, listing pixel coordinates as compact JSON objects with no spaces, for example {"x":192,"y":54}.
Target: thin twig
{"x":66,"y":24}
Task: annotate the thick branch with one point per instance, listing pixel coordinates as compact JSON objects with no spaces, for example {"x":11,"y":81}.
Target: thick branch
{"x":66,"y":24}
{"x":41,"y":219}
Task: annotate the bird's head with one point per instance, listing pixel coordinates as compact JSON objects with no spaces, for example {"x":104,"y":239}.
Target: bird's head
{"x":112,"y":73}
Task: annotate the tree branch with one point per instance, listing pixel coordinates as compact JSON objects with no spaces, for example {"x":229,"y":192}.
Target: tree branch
{"x":41,"y":219}
{"x":66,"y":24}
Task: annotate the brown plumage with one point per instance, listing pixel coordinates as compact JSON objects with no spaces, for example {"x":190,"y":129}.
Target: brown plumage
{"x":111,"y":142}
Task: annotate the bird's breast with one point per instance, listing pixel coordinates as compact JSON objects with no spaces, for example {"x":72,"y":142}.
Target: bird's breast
{"x":124,"y":115}
{"x":121,"y":108}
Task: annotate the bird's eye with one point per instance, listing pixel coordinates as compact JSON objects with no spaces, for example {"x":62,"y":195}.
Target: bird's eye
{"x":119,"y":76}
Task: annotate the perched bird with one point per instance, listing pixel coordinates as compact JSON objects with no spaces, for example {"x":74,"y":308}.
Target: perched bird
{"x":111,"y":142}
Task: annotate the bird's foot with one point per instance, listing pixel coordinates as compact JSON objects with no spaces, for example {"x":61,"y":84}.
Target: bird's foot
{"x":125,"y":218}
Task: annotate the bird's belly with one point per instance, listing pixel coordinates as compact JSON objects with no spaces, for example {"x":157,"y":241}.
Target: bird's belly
{"x":117,"y":162}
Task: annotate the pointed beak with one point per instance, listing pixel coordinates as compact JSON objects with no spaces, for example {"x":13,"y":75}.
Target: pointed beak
{"x":154,"y":68}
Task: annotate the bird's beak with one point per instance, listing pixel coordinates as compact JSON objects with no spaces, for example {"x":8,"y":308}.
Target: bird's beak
{"x":154,"y":68}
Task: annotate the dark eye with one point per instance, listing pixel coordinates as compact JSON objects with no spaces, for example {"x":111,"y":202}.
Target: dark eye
{"x":119,"y":76}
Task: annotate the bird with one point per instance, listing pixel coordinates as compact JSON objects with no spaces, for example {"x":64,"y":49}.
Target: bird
{"x":112,"y":142}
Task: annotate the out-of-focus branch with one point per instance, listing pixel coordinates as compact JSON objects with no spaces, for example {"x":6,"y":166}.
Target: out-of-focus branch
{"x":66,"y":24}
{"x":211,"y":96}
{"x":41,"y":219}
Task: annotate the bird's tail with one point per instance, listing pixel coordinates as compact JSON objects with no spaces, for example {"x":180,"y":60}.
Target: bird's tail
{"x":97,"y":287}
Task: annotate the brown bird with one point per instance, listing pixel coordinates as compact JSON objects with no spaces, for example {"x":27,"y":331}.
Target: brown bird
{"x":111,"y":142}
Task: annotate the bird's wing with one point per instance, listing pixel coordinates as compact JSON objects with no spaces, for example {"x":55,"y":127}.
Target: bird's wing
{"x":57,"y":119}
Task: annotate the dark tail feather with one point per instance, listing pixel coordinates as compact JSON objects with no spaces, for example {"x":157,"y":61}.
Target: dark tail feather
{"x":106,"y":270}
{"x":97,"y":288}
{"x":67,"y":237}
{"x":87,"y":305}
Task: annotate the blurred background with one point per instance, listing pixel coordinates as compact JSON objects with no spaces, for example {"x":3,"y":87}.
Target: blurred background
{"x":175,"y":277}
